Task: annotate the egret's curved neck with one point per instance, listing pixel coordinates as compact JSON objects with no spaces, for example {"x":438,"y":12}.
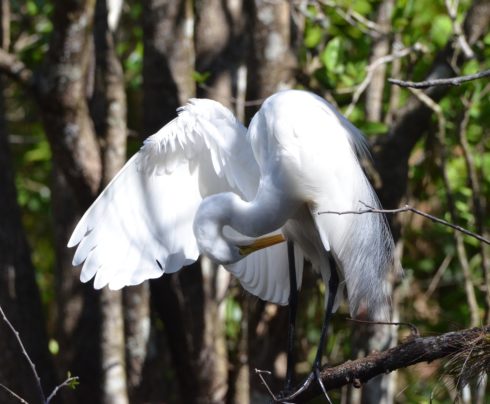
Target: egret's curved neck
{"x":267,"y":212}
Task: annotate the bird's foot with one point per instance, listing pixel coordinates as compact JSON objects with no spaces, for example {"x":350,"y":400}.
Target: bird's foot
{"x":289,"y":397}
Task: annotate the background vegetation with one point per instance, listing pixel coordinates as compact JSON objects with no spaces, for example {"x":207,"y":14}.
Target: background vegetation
{"x":85,"y":81}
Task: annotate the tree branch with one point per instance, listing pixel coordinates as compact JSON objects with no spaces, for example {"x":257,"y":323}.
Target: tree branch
{"x":452,"y":81}
{"x":13,"y":394}
{"x":16,"y":69}
{"x":21,"y":345}
{"x":471,"y":345}
{"x":408,"y":208}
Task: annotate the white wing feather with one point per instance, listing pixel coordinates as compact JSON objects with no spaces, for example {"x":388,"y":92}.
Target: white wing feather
{"x":141,"y":225}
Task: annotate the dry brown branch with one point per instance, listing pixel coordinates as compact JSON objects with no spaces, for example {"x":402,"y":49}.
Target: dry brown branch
{"x":408,"y":208}
{"x":16,"y":69}
{"x":462,"y":343}
{"x":452,"y":81}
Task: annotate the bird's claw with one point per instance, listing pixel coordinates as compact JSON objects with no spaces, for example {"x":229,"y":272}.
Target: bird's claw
{"x":286,"y":397}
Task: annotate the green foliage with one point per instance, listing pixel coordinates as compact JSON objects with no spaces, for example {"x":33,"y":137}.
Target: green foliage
{"x":72,"y":381}
{"x":339,"y":54}
{"x":200,"y":77}
{"x":334,"y":61}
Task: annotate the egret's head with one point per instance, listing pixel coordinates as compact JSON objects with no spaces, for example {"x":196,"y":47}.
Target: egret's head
{"x":212,"y":217}
{"x":213,"y":214}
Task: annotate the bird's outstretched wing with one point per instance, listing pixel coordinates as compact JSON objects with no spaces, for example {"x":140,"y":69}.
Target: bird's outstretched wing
{"x":141,"y":224}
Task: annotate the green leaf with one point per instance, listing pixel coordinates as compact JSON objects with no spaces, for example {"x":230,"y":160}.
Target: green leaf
{"x":331,"y":55}
{"x":362,"y":7}
{"x":374,"y":128}
{"x":441,"y":30}
{"x":313,"y":36}
{"x":53,"y":346}
{"x":200,"y":78}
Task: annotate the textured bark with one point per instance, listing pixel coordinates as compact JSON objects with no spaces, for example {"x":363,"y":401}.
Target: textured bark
{"x":381,"y":47}
{"x":470,"y":344}
{"x":61,"y":93}
{"x":271,"y":63}
{"x":270,"y":67}
{"x":180,"y":299}
{"x":220,"y":48}
{"x":19,"y":294}
{"x":137,"y":330}
{"x":169,"y":60}
{"x":109,"y":116}
{"x":77,"y":316}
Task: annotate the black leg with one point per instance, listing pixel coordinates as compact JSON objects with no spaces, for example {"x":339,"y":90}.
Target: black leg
{"x":333,"y":285}
{"x":293,"y":304}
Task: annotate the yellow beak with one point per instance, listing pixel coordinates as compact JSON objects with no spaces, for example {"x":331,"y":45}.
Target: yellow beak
{"x":261,"y":243}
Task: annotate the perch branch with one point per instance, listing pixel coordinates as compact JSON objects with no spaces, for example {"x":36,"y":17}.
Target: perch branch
{"x":414,"y":350}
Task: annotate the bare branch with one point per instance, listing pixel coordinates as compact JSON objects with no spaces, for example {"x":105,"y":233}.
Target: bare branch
{"x":31,"y":364}
{"x":415,"y":350}
{"x":356,"y":19}
{"x":452,"y":9}
{"x":477,"y":196}
{"x":408,"y":208}
{"x":16,"y":69}
{"x":452,"y":81}
{"x":398,"y":53}
{"x":13,"y":394}
{"x":67,"y":382}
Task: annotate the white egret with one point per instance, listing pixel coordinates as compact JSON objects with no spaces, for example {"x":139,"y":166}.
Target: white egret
{"x":205,"y":185}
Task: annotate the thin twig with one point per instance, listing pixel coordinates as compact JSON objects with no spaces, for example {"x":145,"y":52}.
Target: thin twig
{"x":396,"y":54}
{"x":408,"y":208}
{"x":356,"y":19}
{"x":413,"y":328}
{"x":478,"y":202}
{"x":12,"y":66}
{"x":19,"y":341}
{"x":452,"y":81}
{"x":14,"y":394}
{"x":437,"y":277}
{"x":259,"y":373}
{"x":65,"y":383}
{"x":451,"y":206}
{"x":452,"y":9}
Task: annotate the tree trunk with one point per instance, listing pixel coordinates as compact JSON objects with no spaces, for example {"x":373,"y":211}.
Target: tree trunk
{"x":220,"y":49}
{"x":109,"y":116}
{"x":270,"y":67}
{"x":179,"y":299}
{"x":169,"y":60}
{"x":19,"y":294}
{"x":271,"y":63}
